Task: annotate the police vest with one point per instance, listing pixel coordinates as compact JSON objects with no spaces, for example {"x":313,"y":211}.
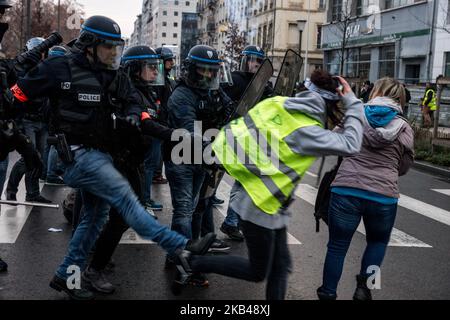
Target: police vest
{"x":253,"y":150}
{"x":84,"y":109}
{"x":432,"y":103}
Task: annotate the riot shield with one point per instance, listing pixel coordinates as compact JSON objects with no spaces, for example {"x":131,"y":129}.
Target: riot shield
{"x":255,"y":88}
{"x":289,"y":74}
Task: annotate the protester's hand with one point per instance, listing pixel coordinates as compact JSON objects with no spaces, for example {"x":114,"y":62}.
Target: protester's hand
{"x":345,"y":86}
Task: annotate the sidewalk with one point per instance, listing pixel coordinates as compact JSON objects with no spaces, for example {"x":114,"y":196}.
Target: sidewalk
{"x":432,"y":168}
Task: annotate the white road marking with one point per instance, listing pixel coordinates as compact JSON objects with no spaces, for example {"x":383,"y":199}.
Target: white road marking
{"x":443,"y":191}
{"x":398,"y":238}
{"x":311,"y":174}
{"x":224,"y":193}
{"x":425,"y":209}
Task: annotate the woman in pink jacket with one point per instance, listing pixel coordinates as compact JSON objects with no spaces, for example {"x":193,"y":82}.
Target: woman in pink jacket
{"x":366,"y":186}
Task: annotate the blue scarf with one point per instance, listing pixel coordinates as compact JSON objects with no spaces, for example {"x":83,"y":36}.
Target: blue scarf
{"x":379,"y":116}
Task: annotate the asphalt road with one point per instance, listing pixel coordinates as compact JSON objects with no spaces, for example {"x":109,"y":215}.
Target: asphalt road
{"x":416,"y":265}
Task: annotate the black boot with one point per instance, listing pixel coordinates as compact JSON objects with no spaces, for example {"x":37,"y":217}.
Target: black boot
{"x":76,"y":294}
{"x":362,"y":292}
{"x":200,"y":247}
{"x":325,"y":296}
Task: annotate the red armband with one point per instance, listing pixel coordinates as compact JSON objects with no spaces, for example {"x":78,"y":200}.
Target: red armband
{"x":18,"y":93}
{"x":145,"y":115}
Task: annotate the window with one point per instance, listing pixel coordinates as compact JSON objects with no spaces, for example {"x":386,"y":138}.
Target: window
{"x":387,"y":61}
{"x":175,"y":24}
{"x":175,"y":35}
{"x":336,"y":10}
{"x":175,"y":13}
{"x":447,"y":64}
{"x":164,"y":13}
{"x":389,"y":4}
{"x":364,"y":63}
{"x":188,"y":3}
{"x":163,"y":34}
{"x":448,"y":12}
{"x":177,"y":2}
{"x":321,"y":4}
{"x":319,"y":36}
{"x":164,"y":24}
{"x":359,"y":7}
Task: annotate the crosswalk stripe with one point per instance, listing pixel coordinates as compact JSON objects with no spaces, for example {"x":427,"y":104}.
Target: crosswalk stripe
{"x":398,"y":238}
{"x":224,"y":193}
{"x":443,"y":191}
{"x":425,"y":209}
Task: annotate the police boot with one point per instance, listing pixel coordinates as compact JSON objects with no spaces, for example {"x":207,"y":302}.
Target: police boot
{"x":362,"y":292}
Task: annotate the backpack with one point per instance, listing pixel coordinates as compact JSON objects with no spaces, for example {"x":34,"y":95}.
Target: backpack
{"x":324,"y":194}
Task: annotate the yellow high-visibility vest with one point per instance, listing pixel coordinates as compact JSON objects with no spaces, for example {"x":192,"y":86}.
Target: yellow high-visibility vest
{"x":253,"y":150}
{"x":432,"y":104}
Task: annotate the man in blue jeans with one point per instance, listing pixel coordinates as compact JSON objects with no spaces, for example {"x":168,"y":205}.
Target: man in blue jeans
{"x":95,"y":101}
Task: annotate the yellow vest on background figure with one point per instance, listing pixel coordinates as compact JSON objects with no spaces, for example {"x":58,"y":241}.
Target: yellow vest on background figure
{"x":432,"y":104}
{"x":253,"y":151}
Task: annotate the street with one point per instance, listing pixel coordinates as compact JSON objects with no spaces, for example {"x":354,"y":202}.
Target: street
{"x":416,"y":265}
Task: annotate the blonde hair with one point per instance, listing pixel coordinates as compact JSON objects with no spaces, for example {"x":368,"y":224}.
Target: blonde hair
{"x":391,"y":88}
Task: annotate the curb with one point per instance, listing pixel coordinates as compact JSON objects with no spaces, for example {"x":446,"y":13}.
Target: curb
{"x":433,"y":169}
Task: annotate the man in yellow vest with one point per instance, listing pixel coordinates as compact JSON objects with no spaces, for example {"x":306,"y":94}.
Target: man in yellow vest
{"x":428,"y":105}
{"x":267,"y":152}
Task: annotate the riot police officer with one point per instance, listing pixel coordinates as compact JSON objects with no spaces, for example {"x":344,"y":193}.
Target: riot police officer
{"x":145,"y":69}
{"x":34,"y":124}
{"x":196,"y":105}
{"x":94,"y":98}
{"x":10,"y":137}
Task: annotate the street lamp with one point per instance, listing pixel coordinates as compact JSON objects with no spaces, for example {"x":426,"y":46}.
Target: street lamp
{"x":301,"y":26}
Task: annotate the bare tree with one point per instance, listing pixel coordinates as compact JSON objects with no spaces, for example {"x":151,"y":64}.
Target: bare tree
{"x":343,"y":21}
{"x":234,"y":45}
{"x":44,"y":20}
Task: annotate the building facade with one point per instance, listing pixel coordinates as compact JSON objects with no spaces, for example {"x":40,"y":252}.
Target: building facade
{"x":386,"y":38}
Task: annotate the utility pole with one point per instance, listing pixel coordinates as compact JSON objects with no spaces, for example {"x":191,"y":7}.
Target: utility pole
{"x":28,"y":29}
{"x":305,"y":69}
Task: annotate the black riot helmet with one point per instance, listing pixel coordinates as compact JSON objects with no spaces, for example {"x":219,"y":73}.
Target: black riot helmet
{"x":252,"y":58}
{"x":101,"y":31}
{"x":144,"y":66}
{"x":4,"y":4}
{"x":165,"y":53}
{"x":201,"y":68}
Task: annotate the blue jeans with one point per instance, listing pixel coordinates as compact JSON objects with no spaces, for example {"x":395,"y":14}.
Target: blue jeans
{"x":344,"y":216}
{"x":37,"y":132}
{"x":185,"y":181}
{"x":268,"y":258}
{"x":3,"y":169}
{"x":55,"y":167}
{"x":151,"y":164}
{"x":102,"y":187}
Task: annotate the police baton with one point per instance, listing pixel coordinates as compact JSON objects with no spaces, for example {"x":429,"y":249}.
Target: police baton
{"x":31,"y":204}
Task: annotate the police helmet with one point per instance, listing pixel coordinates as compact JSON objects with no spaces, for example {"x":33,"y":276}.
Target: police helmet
{"x":201,"y":68}
{"x":252,"y":58}
{"x":4,"y":4}
{"x":165,"y":53}
{"x":144,"y":65}
{"x":57,"y":51}
{"x":33,"y":42}
{"x":100,"y":30}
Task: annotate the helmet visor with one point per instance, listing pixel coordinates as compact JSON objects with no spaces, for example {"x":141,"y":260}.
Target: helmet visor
{"x":207,"y":76}
{"x":225,"y":75}
{"x":152,"y":72}
{"x":251,"y":63}
{"x":109,"y":54}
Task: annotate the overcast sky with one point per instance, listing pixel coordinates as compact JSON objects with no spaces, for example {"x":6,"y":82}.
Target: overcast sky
{"x":124,"y":12}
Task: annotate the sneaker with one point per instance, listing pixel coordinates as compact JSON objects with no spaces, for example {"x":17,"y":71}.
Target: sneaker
{"x":3,"y":266}
{"x":219,"y":246}
{"x":159,"y":180}
{"x":150,"y":211}
{"x":153,"y":205}
{"x":233,"y":232}
{"x":76,"y":294}
{"x":216,"y":201}
{"x":39,"y":198}
{"x":55,"y":181}
{"x":97,"y":280}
